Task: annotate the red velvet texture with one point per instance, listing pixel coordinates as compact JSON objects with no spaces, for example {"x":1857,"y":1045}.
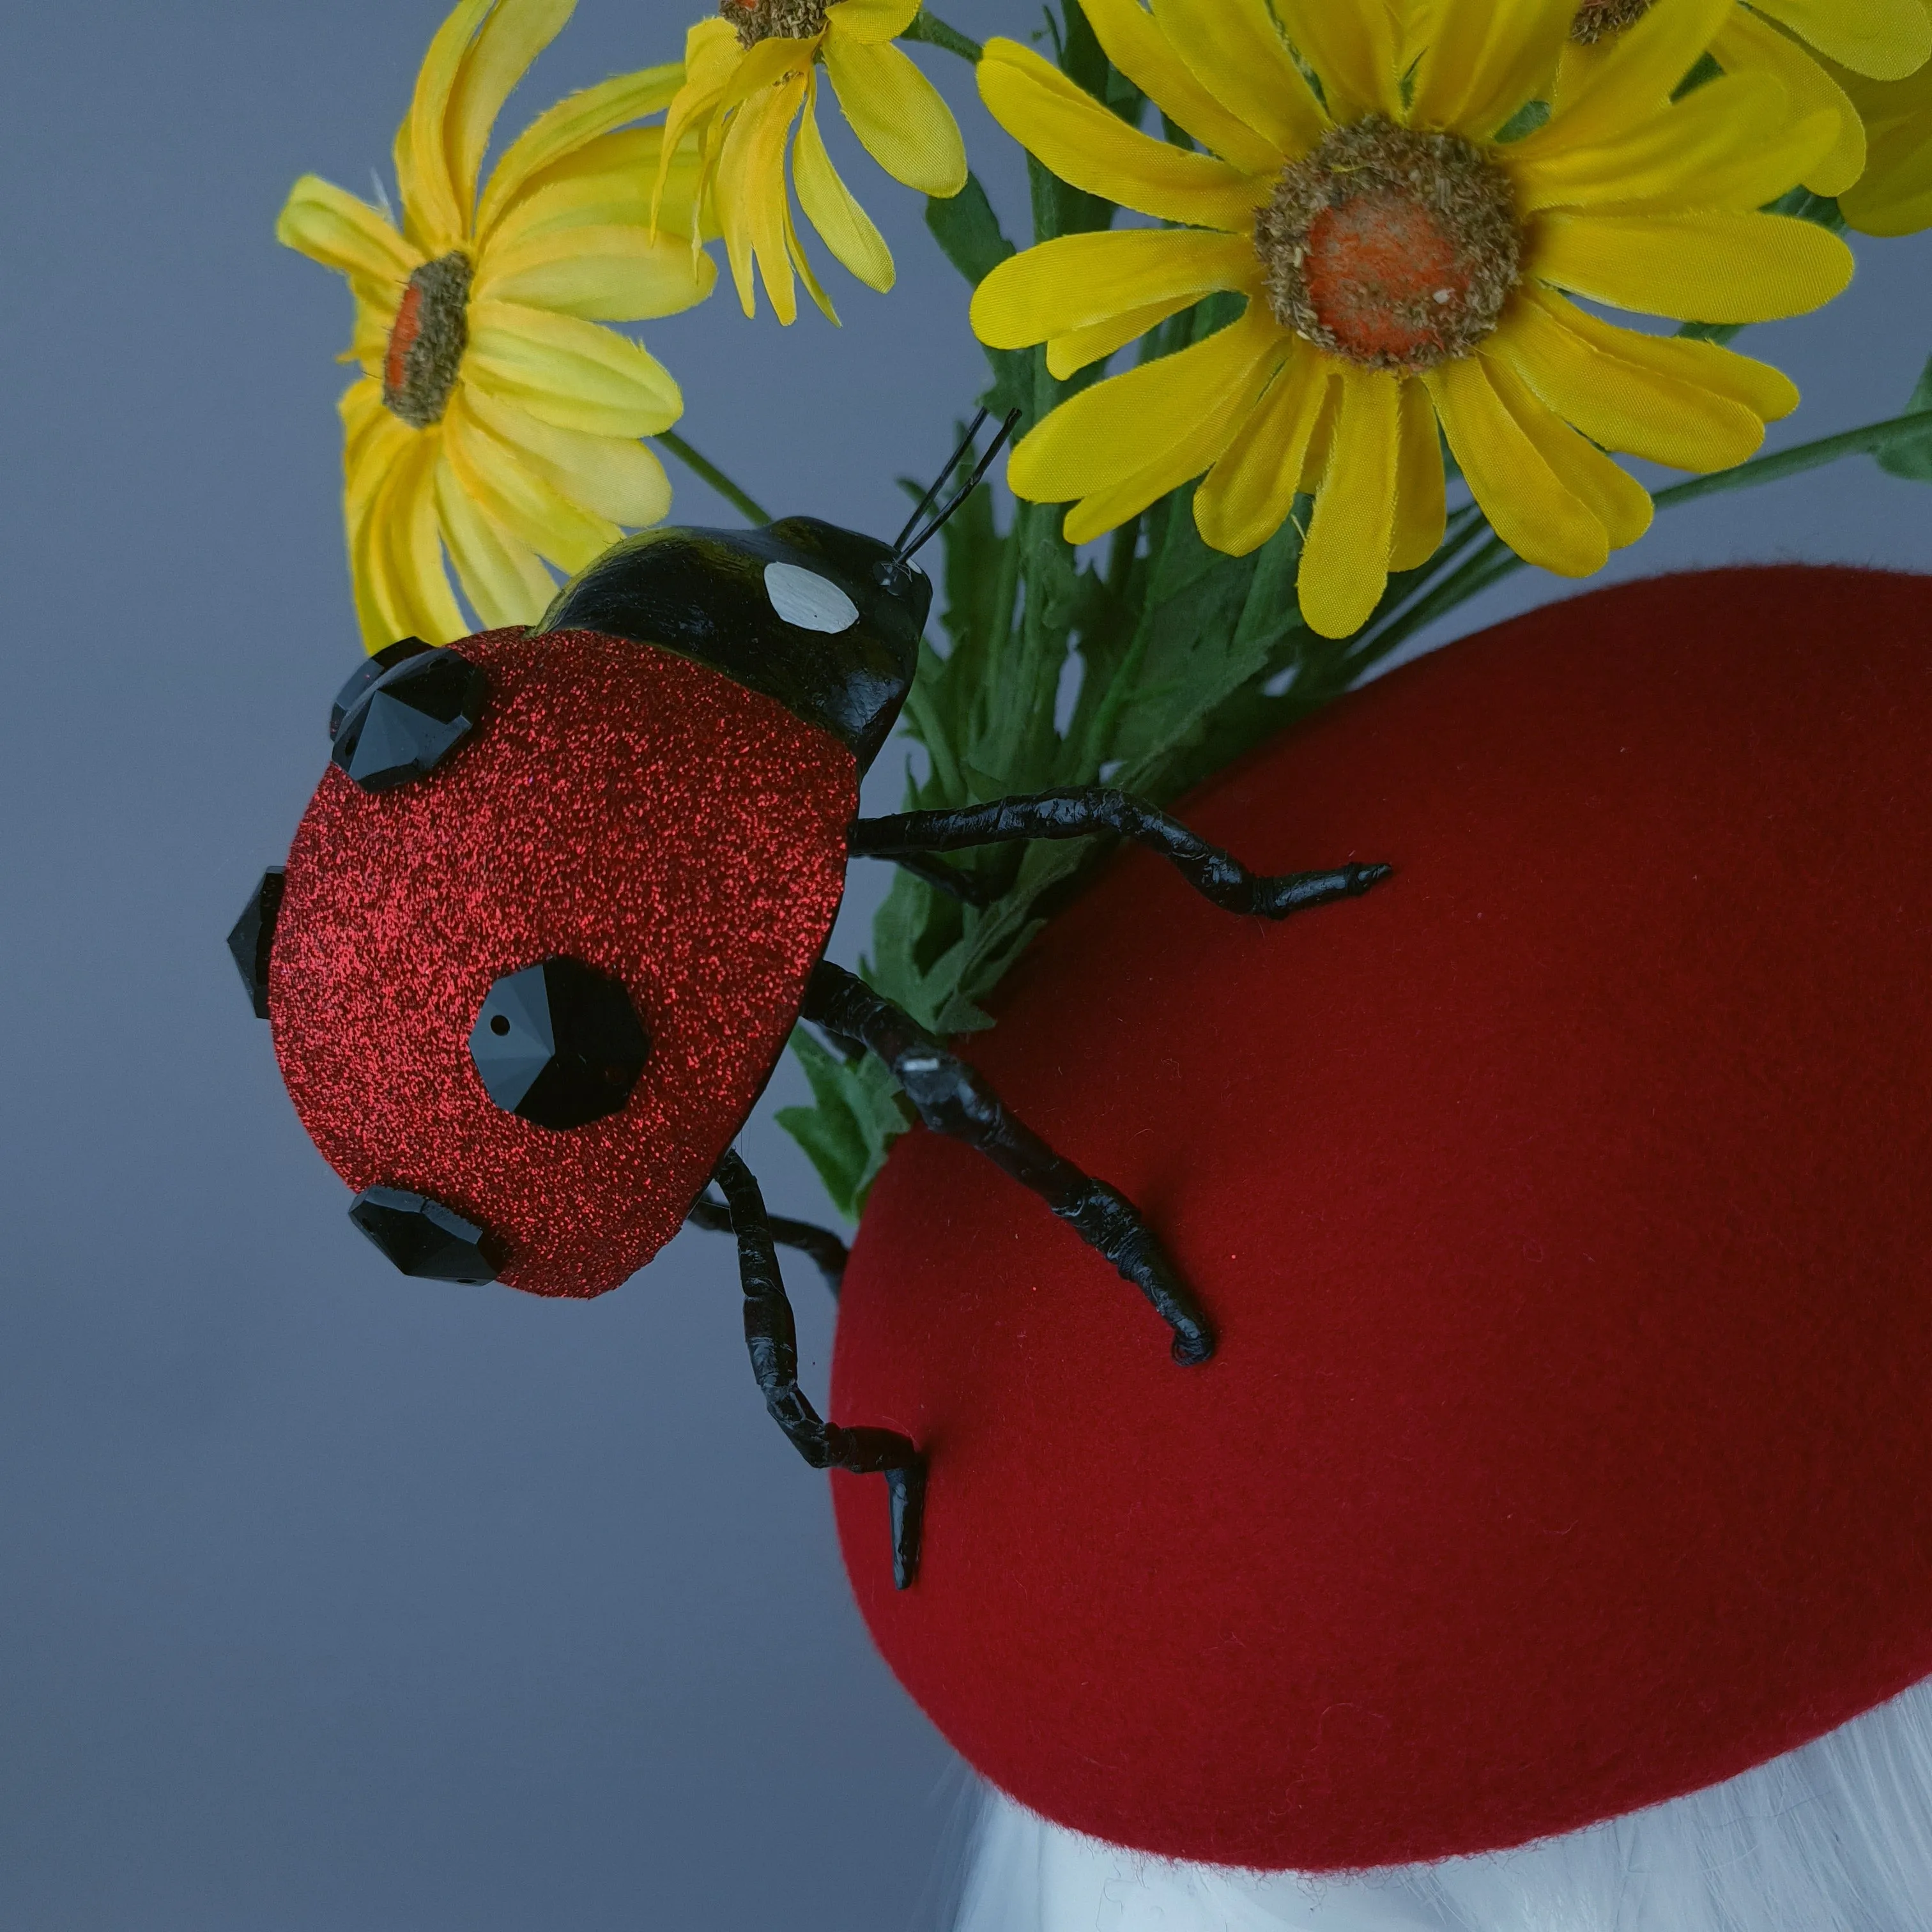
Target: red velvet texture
{"x":1564,"y":1205}
{"x":618,"y":805}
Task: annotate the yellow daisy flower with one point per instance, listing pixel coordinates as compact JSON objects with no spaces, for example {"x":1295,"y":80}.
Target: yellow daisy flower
{"x":494,"y":419}
{"x":753,"y":70}
{"x":1893,"y":195}
{"x":1403,"y":267}
{"x":1882,"y":40}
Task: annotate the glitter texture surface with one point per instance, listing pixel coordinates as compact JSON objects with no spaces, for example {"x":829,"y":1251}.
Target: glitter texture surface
{"x":618,"y":805}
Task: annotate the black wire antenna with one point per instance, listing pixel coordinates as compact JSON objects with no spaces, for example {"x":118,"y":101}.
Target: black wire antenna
{"x":906,"y":543}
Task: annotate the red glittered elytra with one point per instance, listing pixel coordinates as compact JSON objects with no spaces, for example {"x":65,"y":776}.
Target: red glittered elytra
{"x":617,"y":806}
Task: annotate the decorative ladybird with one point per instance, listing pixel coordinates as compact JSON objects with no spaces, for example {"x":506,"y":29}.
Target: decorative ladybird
{"x":562,"y":895}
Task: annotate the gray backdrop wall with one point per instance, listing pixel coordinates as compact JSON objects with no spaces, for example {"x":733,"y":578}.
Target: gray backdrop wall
{"x":329,"y":1601}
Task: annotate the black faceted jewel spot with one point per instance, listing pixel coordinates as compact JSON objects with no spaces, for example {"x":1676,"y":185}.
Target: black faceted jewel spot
{"x":423,"y":1238}
{"x":253,"y":937}
{"x":558,"y":1043}
{"x":411,"y":718}
{"x":370,"y":671}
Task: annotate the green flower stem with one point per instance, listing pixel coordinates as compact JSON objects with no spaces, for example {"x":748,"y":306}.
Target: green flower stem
{"x":928,"y":27}
{"x":747,"y":506}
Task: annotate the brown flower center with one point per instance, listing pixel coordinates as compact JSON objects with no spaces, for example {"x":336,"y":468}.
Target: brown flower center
{"x":427,"y":341}
{"x":1598,"y":19}
{"x":1393,"y":249}
{"x":758,"y":20}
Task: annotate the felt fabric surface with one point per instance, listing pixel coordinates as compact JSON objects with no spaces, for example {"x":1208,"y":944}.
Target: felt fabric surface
{"x":617,"y":806}
{"x":1564,"y":1206}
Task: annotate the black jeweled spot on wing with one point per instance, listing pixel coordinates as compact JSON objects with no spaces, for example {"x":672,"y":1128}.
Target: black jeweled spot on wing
{"x":423,"y":1238}
{"x":370,"y":671}
{"x":559,"y":1044}
{"x":410,"y":719}
{"x":253,"y":937}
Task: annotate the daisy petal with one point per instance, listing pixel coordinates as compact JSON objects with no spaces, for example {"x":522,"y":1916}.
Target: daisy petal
{"x":1885,"y":39}
{"x":712,"y":55}
{"x":561,"y":130}
{"x":897,"y":115}
{"x":509,"y":492}
{"x":802,"y":265}
{"x":500,"y":56}
{"x":1718,"y":266}
{"x":613,"y":274}
{"x":569,"y":373}
{"x":374,"y":443}
{"x":1421,"y":501}
{"x":505,"y":580}
{"x":1689,"y":404}
{"x":1085,"y":146}
{"x":1248,"y":494}
{"x":1066,"y":354}
{"x":1639,"y":74}
{"x":1345,"y":565}
{"x":433,"y":217}
{"x":398,"y":557}
{"x":1133,"y":41}
{"x":1527,"y":507}
{"x":871,"y":21}
{"x":1484,"y":59}
{"x":1236,"y":52}
{"x":1108,"y":433}
{"x":1733,"y":143}
{"x":1079,"y":280}
{"x":1895,"y":195}
{"x":607,"y":180}
{"x":752,"y":195}
{"x":829,"y":206}
{"x":613,"y":477}
{"x":1614,"y":497}
{"x":329,"y":225}
{"x":1746,"y":45}
{"x":1353,"y":47}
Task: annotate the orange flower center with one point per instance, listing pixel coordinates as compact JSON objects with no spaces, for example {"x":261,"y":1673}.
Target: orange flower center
{"x":1598,"y":19}
{"x":758,"y":20}
{"x":427,"y":341}
{"x":1389,"y":248}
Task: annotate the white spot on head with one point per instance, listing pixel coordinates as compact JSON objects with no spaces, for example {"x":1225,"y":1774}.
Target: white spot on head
{"x":812,"y":602}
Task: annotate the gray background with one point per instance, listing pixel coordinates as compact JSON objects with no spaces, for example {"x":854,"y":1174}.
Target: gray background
{"x":330,"y":1601}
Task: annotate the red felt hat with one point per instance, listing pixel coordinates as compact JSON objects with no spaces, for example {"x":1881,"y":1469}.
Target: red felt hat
{"x":1565,"y":1209}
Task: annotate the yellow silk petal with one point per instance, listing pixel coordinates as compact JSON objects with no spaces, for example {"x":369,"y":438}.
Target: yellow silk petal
{"x":1421,"y":497}
{"x":1079,"y":280}
{"x":603,"y":274}
{"x":613,"y":477}
{"x":510,"y":493}
{"x":434,"y":216}
{"x":751,"y":196}
{"x":1083,"y":144}
{"x":515,"y":34}
{"x":329,"y":225}
{"x":1719,"y":266}
{"x":712,"y":55}
{"x":870,"y":21}
{"x":1614,"y":497}
{"x":1248,"y":494}
{"x":1895,"y":195}
{"x":831,"y":207}
{"x":607,"y":180}
{"x":898,"y":114}
{"x":1345,"y":565}
{"x":1108,"y":434}
{"x":561,"y":130}
{"x":1484,"y":59}
{"x":1886,"y":39}
{"x":1066,"y":354}
{"x":570,"y":373}
{"x":1133,"y":41}
{"x":1666,"y":415}
{"x":504,"y":579}
{"x":373,"y":442}
{"x":802,"y":265}
{"x":1733,"y":143}
{"x":1527,"y":507}
{"x":1638,"y":75}
{"x":1234,"y":50}
{"x":401,"y":553}
{"x":1747,"y":45}
{"x":1353,"y":45}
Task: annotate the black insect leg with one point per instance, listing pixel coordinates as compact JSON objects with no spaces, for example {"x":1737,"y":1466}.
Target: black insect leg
{"x":819,"y":1245}
{"x":952,"y":1099}
{"x":773,"y":1343}
{"x":1081,"y":812}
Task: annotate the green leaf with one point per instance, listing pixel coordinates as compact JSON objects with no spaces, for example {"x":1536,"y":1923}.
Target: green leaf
{"x":1910,"y":457}
{"x":858,"y":1112}
{"x":927,"y":26}
{"x":968,"y":231}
